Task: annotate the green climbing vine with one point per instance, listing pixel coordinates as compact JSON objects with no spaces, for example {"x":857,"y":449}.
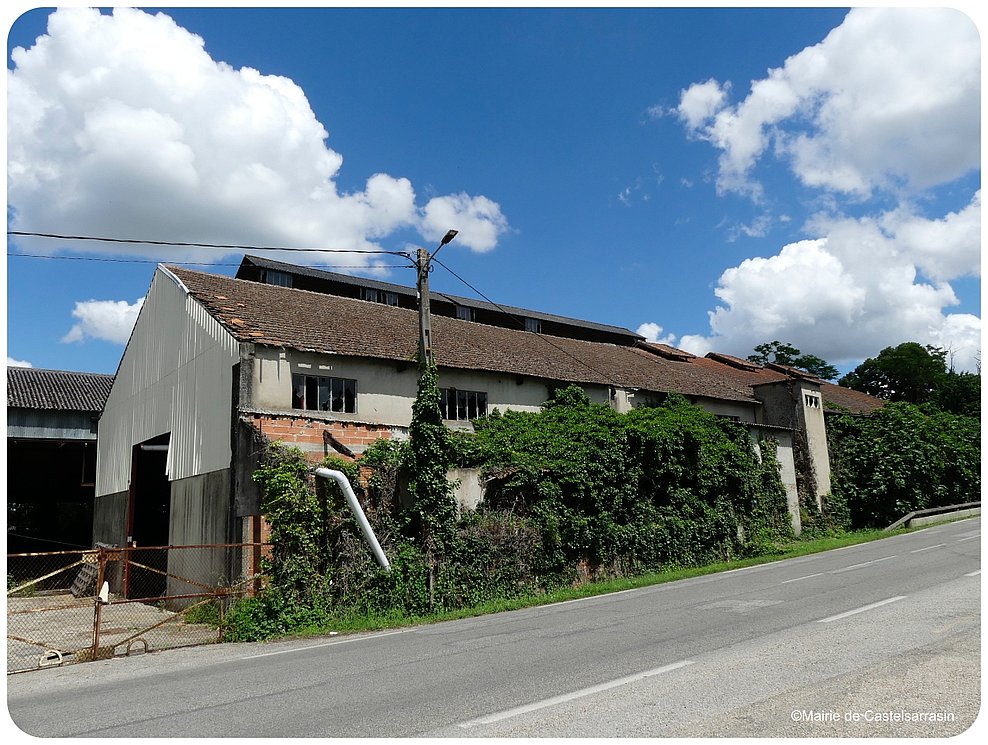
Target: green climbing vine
{"x":575,"y":491}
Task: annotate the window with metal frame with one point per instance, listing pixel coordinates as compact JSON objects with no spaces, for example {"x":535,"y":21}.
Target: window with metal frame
{"x":384,"y":297}
{"x":319,"y":393}
{"x":459,"y":405}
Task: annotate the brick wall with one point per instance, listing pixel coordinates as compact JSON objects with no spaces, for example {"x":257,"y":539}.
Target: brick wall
{"x":309,"y":434}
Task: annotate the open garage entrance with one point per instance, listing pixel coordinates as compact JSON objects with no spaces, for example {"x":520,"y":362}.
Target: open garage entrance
{"x":148,"y":516}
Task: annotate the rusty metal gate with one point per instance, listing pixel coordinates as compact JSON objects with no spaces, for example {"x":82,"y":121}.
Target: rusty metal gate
{"x":75,"y":606}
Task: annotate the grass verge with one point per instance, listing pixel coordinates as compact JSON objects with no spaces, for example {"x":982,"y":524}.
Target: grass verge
{"x":792,"y":549}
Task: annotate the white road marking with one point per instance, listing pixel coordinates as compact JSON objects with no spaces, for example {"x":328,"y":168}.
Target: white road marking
{"x":800,"y":579}
{"x":973,"y":574}
{"x":556,"y":700}
{"x":961,"y":540}
{"x":864,"y":564}
{"x":862,"y":609}
{"x":327,"y":644}
{"x":920,"y":550}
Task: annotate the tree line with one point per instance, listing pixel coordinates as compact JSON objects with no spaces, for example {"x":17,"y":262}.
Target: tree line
{"x":910,"y":372}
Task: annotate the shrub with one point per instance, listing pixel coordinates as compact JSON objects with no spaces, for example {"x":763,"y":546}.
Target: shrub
{"x":900,"y":459}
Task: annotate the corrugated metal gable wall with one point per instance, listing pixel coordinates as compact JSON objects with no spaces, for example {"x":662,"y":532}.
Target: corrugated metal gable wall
{"x":175,"y":376}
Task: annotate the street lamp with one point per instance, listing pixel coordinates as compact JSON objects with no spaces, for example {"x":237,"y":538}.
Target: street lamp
{"x":423,"y":265}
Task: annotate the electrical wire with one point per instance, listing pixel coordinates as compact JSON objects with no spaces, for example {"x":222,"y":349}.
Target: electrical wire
{"x":190,"y":263}
{"x":227,"y":246}
{"x":239,"y":247}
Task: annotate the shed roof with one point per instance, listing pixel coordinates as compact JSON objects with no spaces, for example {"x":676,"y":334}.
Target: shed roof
{"x":847,"y":398}
{"x":410,"y":292}
{"x":331,"y":324}
{"x":61,"y":390}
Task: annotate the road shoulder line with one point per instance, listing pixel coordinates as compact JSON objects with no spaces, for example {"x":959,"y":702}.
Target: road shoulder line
{"x":862,"y":609}
{"x":573,"y":695}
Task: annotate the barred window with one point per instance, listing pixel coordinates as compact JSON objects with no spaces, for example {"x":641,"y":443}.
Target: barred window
{"x":274,"y":277}
{"x":317,"y":393}
{"x":462,"y":405}
{"x":374,"y":295}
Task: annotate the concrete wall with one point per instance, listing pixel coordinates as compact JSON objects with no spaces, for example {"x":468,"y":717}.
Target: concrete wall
{"x":200,"y":515}
{"x":744,"y":412}
{"x":385,"y":389}
{"x":469,"y":490}
{"x":815,"y":426}
{"x":784,"y":405}
{"x":110,"y":518}
{"x":787,"y":467}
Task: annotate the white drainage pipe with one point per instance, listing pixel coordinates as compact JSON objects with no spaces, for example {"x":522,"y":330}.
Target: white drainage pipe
{"x":351,"y":500}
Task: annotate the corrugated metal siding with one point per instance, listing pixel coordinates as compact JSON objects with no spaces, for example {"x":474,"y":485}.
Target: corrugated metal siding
{"x":34,"y":424}
{"x":175,"y":376}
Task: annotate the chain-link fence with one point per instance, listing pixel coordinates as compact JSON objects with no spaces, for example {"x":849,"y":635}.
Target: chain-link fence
{"x":74,"y":606}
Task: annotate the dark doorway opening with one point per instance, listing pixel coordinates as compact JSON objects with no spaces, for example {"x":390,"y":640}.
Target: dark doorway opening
{"x":149,"y":513}
{"x":50,"y":490}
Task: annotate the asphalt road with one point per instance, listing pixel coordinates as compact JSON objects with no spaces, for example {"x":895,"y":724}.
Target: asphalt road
{"x":881,"y":639}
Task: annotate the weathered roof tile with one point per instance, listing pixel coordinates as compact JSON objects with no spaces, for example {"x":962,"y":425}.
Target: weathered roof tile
{"x":34,"y":388}
{"x":330,"y":324}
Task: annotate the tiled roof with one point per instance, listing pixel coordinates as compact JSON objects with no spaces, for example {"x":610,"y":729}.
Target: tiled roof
{"x":330,"y":324}
{"x":755,"y":375}
{"x":411,"y":292}
{"x":854,"y":401}
{"x":664,"y":350}
{"x":32,"y":388}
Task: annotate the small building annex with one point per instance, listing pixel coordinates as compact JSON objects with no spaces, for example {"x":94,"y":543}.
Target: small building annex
{"x":51,"y":457}
{"x":216,"y":364}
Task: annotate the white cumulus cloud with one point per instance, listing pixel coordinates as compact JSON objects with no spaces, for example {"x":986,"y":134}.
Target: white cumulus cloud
{"x":109,"y":320}
{"x":478,"y":220}
{"x":11,"y":362}
{"x":860,"y":286}
{"x":653,"y":332}
{"x":890,"y":98}
{"x":122,"y":125}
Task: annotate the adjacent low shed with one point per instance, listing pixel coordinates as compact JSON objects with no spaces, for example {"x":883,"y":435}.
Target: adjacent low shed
{"x":52,"y":420}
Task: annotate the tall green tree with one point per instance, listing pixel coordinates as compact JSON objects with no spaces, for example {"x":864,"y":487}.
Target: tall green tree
{"x":908,"y":372}
{"x":786,"y":354}
{"x":959,"y":393}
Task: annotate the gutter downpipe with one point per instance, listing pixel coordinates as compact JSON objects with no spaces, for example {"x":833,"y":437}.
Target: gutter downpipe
{"x":358,"y":513}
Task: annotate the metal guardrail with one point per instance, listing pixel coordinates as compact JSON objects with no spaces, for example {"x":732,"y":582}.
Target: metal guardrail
{"x":932,"y":511}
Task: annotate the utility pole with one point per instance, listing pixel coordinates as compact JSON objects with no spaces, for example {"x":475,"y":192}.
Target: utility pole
{"x":423,"y":265}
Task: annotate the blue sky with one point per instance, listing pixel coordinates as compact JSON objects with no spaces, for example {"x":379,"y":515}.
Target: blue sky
{"x":714,"y":178}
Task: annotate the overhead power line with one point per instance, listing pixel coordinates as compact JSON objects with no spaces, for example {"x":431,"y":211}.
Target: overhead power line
{"x":243,"y":247}
{"x":188,"y":263}
{"x":187,"y":244}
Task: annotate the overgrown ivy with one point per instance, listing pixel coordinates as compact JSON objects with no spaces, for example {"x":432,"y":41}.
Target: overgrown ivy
{"x":901,"y":459}
{"x":430,"y":459}
{"x":575,"y":491}
{"x":627,"y":493}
